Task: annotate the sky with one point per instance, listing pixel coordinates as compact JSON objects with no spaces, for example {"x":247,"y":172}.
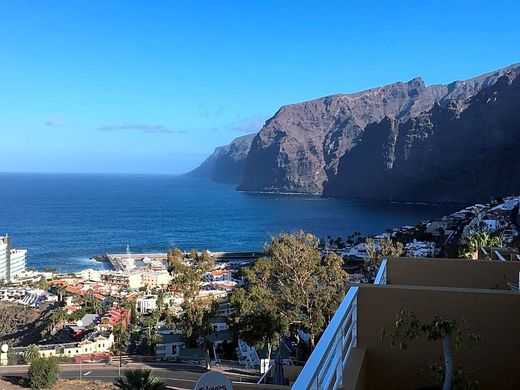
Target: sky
{"x":154,"y":86}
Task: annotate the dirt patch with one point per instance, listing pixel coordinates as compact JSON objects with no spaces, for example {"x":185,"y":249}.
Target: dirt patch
{"x":63,"y":384}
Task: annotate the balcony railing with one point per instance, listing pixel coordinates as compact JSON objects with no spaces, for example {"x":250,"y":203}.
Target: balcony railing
{"x":381,"y":273}
{"x":324,"y":369}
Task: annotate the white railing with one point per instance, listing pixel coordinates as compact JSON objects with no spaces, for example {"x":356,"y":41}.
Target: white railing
{"x":324,"y":369}
{"x":381,"y":273}
{"x":499,"y":256}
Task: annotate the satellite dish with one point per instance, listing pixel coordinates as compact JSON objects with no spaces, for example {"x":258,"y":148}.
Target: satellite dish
{"x":213,"y":380}
{"x":5,"y":348}
{"x":79,"y":323}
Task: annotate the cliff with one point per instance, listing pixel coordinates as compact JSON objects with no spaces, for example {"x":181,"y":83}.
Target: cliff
{"x":403,"y":142}
{"x":227,"y":163}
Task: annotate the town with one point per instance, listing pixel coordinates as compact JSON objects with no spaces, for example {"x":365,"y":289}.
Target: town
{"x":185,"y":307}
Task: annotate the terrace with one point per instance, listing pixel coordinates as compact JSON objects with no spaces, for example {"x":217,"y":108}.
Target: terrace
{"x":351,"y":354}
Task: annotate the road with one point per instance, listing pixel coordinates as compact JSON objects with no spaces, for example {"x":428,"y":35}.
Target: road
{"x":175,"y":376}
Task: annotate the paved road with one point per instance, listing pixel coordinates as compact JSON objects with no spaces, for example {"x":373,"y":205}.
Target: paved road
{"x":177,"y":377}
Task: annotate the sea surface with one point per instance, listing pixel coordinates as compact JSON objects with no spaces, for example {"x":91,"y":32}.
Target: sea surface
{"x":64,"y":219}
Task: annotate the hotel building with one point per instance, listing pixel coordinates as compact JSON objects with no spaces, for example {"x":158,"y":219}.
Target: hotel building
{"x":12,"y":261}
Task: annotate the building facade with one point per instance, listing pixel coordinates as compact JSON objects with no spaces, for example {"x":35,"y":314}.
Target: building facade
{"x":4,"y":257}
{"x":12,"y":261}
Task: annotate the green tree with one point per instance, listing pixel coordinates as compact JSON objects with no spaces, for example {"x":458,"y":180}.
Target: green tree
{"x":258,"y":319}
{"x":43,"y":373}
{"x":194,"y":321}
{"x":150,"y":322}
{"x":377,"y":250}
{"x":31,"y":353}
{"x":120,"y":332}
{"x":187,"y":274}
{"x":449,"y":331}
{"x":133,"y":313}
{"x":57,"y":318}
{"x":42,"y":283}
{"x":294,"y":287}
{"x":139,"y":379}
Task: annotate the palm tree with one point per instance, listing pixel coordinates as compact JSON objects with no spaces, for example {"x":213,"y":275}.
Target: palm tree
{"x":139,"y":379}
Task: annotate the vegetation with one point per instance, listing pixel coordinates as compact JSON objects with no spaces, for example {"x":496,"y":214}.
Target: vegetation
{"x":407,"y":328}
{"x":31,"y":353}
{"x":19,"y":323}
{"x":471,"y":244}
{"x":42,"y":283}
{"x":187,"y":273}
{"x":376,"y":250}
{"x":120,"y":332}
{"x":147,"y":343}
{"x":293,"y":288}
{"x":139,"y":379}
{"x":43,"y":373}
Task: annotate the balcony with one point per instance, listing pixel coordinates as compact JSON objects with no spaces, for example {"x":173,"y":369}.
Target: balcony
{"x":351,"y":354}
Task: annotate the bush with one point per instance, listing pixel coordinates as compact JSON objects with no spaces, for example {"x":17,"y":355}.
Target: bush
{"x":43,"y":373}
{"x":32,"y":352}
{"x":139,"y":379}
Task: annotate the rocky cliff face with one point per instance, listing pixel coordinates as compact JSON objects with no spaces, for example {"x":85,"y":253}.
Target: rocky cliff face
{"x":227,"y":163}
{"x":464,"y":152}
{"x":405,"y":142}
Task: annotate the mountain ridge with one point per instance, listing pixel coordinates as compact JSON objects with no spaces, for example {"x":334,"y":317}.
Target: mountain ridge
{"x":322,"y":146}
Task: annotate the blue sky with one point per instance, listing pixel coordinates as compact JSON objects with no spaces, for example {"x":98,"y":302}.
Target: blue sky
{"x":155,"y":86}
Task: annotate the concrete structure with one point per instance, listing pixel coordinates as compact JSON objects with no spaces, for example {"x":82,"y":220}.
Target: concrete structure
{"x":478,"y":293}
{"x":12,"y":261}
{"x":146,"y":303}
{"x":32,"y":297}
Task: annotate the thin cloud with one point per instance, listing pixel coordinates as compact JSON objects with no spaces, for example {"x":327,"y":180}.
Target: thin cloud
{"x":53,"y":122}
{"x":204,"y":112}
{"x":141,"y":127}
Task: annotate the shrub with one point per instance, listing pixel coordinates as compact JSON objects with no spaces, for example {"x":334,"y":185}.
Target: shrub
{"x":139,"y":379}
{"x":43,"y":373}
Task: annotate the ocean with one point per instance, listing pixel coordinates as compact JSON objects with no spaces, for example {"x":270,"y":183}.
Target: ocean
{"x":64,"y":219}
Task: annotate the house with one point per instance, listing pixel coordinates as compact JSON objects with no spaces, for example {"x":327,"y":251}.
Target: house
{"x":146,"y":303}
{"x":220,"y":275}
{"x":93,"y":344}
{"x":115,"y":315}
{"x":169,"y":345}
{"x":218,"y":323}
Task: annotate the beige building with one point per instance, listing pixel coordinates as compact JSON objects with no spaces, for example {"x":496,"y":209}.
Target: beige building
{"x":153,"y":279}
{"x":128,"y":280}
{"x":482,"y":295}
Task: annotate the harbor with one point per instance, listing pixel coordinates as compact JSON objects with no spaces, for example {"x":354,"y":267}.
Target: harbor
{"x":126,"y":261}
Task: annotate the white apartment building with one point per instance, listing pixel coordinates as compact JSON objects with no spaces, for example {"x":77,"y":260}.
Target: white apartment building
{"x":12,"y":261}
{"x":18,"y":259}
{"x":4,"y":256}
